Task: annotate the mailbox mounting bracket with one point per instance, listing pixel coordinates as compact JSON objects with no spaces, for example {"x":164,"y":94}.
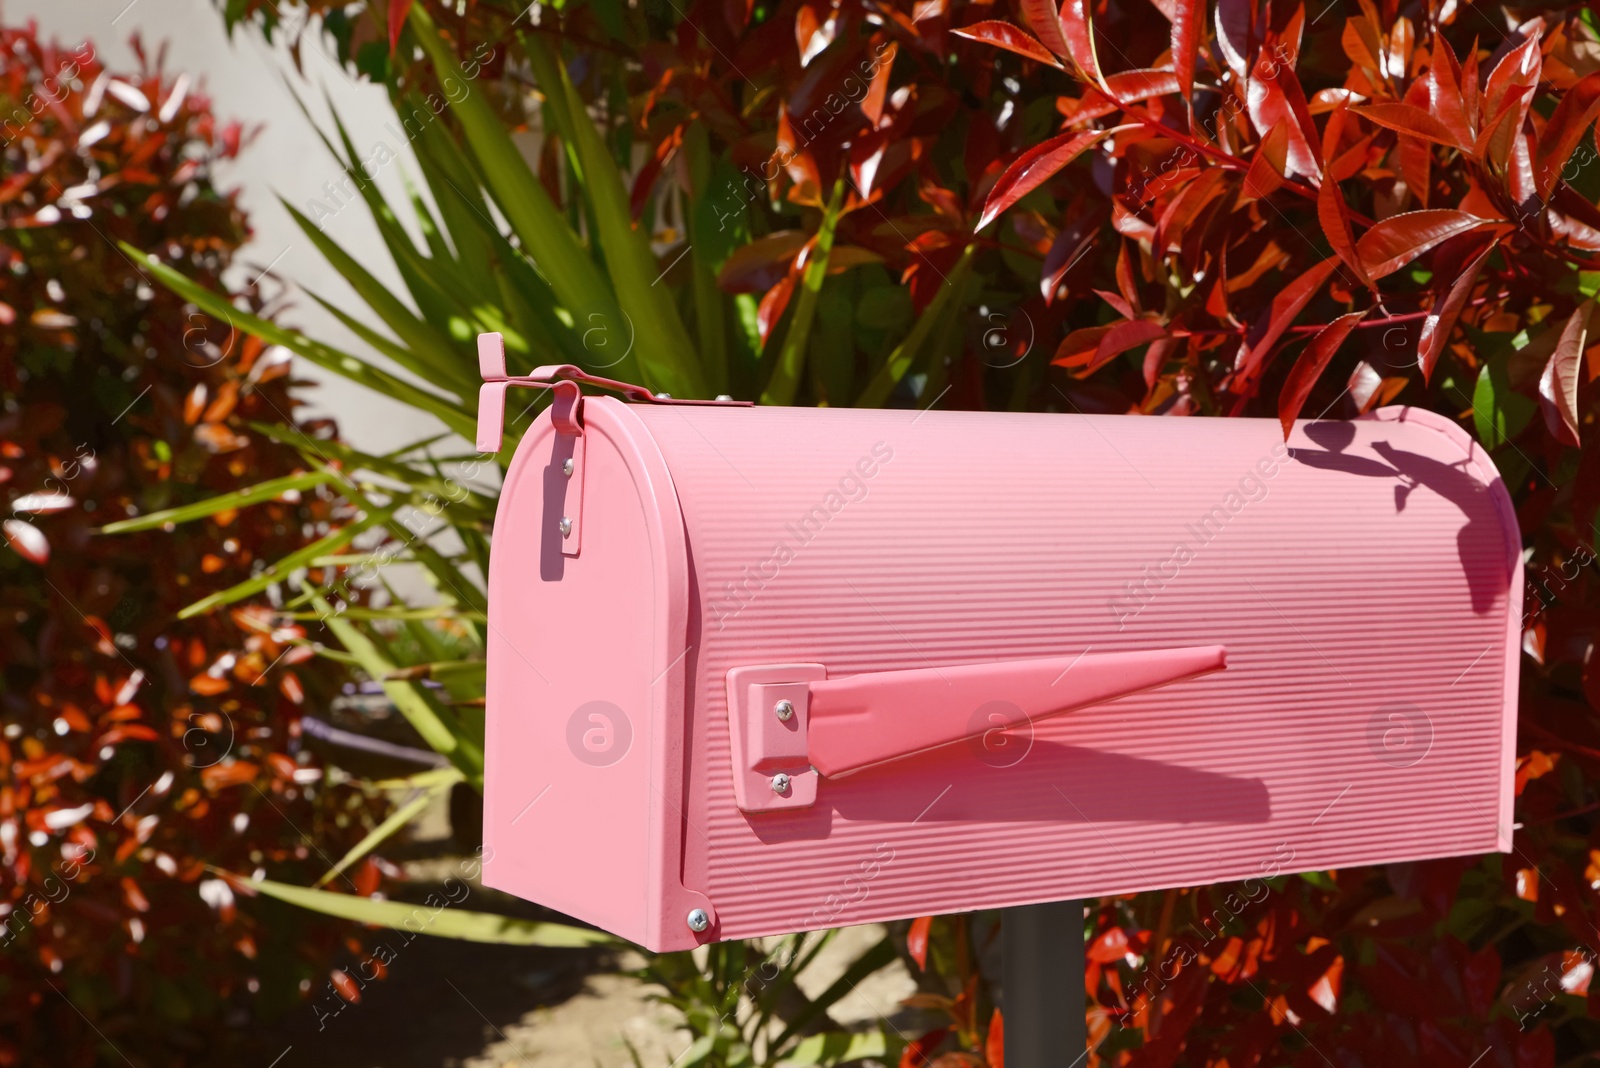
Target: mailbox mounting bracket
{"x":771,"y":769}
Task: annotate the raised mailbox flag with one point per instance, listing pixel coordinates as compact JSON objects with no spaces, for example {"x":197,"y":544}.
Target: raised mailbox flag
{"x":760,"y":670}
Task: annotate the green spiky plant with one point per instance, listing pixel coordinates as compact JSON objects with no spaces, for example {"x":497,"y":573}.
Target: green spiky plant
{"x":555,"y":261}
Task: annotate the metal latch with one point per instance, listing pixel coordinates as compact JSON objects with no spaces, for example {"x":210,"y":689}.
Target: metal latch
{"x":566,"y":413}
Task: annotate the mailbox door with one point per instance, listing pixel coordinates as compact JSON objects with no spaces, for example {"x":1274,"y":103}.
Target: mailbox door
{"x":1364,"y":581}
{"x":586,"y":682}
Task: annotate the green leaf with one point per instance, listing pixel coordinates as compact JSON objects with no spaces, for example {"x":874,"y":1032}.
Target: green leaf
{"x":324,"y":356}
{"x":270,"y":490}
{"x":434,"y":353}
{"x":1499,"y":412}
{"x":881,"y":955}
{"x":393,"y":615}
{"x":791,"y":360}
{"x":443,"y":737}
{"x":709,"y":302}
{"x":280,"y":570}
{"x":397,"y":819}
{"x":441,"y":919}
{"x":666,"y":355}
{"x":908,"y":351}
{"x":840,"y":1048}
{"x":451,"y":493}
{"x":522,"y":199}
{"x":422,"y":780}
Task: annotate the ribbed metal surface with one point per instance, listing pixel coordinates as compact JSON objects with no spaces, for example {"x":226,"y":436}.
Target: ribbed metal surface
{"x":1374,"y":569}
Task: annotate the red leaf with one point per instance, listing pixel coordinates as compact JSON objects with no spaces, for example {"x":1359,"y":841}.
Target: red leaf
{"x":878,"y":91}
{"x":760,"y":265}
{"x":1494,"y":140}
{"x":345,"y":985}
{"x":916,"y":1054}
{"x":1077,"y":23}
{"x":1131,"y":86}
{"x":1445,"y":99}
{"x":1110,"y":946}
{"x":1267,"y":165}
{"x":1558,"y":386}
{"x":1334,"y":214}
{"x":134,"y":897}
{"x":398,"y":11}
{"x":1396,"y":241}
{"x":1069,"y":247}
{"x":1188,"y":23}
{"x":1407,"y":119}
{"x":28,"y":540}
{"x":1236,"y":35}
{"x":1416,"y":154}
{"x":1011,"y":38}
{"x":1275,"y":96}
{"x":772,"y":306}
{"x":1035,"y":167}
{"x":645,"y":181}
{"x":1121,"y":338}
{"x":994,"y":1046}
{"x":1572,"y":117}
{"x":917,"y":940}
{"x":1442,"y":316}
{"x":1309,"y":367}
{"x":1079,"y":346}
{"x":1041,"y":15}
{"x":1289,"y":302}
{"x":1471,"y":100}
{"x":1517,"y":73}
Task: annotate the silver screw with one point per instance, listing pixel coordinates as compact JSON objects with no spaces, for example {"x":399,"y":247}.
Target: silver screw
{"x":780,"y":783}
{"x":566,"y":527}
{"x":724,"y":396}
{"x":566,"y":467}
{"x":663,"y":396}
{"x":784,"y":710}
{"x":698,"y":920}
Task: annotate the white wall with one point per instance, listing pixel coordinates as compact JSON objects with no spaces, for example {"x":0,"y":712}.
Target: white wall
{"x":245,"y":78}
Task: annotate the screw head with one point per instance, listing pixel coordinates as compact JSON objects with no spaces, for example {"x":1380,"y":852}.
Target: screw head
{"x":663,"y":396}
{"x":566,"y":527}
{"x":724,"y":396}
{"x":780,"y":783}
{"x":784,"y":710}
{"x":698,"y":920}
{"x":566,"y":467}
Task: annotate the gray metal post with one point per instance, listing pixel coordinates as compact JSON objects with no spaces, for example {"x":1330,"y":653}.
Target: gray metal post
{"x":1042,"y":993}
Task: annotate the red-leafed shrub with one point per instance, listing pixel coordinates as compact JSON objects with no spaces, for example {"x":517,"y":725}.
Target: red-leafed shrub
{"x":137,"y":750}
{"x":1301,"y":210}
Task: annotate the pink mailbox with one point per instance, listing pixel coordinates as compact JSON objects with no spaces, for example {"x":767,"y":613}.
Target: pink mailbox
{"x":759,"y":670}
